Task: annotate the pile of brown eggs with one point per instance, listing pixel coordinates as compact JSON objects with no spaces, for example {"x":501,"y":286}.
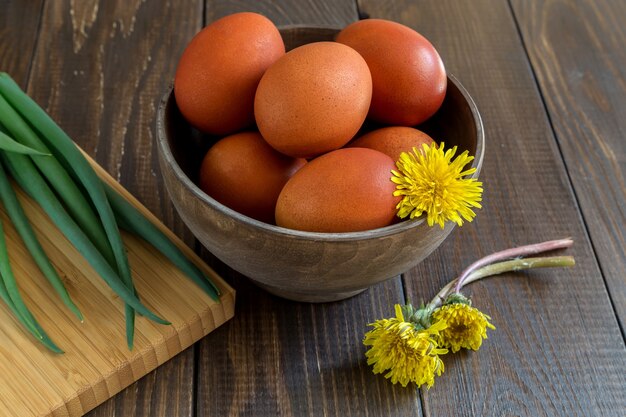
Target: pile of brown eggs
{"x":290,"y":152}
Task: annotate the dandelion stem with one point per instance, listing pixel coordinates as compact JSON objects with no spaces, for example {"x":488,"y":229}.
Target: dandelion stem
{"x":518,"y":264}
{"x":512,"y":253}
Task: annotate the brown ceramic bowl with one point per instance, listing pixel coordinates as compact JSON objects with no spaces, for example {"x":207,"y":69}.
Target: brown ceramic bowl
{"x":306,"y":266}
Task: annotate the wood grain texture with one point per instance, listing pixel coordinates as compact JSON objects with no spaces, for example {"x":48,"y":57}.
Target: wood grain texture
{"x":96,"y":364}
{"x":577,"y":51}
{"x":167,"y":391}
{"x":99,"y":71}
{"x":302,"y":12}
{"x":557,"y":349}
{"x":18,"y":37}
{"x":528,"y":366}
{"x":282,"y":358}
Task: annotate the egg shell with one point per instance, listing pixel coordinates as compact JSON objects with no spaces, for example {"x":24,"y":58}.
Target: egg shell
{"x":393,"y":140}
{"x":346,"y":190}
{"x":408,"y":75}
{"x":314,"y":99}
{"x":244,"y":173}
{"x":219,"y":71}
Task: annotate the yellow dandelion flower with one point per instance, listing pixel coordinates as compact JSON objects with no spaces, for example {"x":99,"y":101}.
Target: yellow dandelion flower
{"x":404,"y":352}
{"x":466,"y":326}
{"x":432,"y":182}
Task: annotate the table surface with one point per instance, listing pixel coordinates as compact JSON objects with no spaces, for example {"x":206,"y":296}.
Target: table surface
{"x":549,"y":78}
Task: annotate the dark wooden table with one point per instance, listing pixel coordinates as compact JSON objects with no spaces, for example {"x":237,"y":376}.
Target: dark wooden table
{"x":549,"y":77}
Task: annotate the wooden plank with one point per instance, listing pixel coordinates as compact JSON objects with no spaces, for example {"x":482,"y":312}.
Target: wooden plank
{"x":99,"y":71}
{"x":19,"y":23}
{"x":278,"y":357}
{"x":558,"y":348}
{"x":303,"y":12}
{"x":163,"y":392}
{"x":282,"y":358}
{"x":96,"y":364}
{"x":577,"y":51}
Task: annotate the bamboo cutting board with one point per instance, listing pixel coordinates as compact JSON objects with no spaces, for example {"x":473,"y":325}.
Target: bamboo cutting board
{"x":97,"y":363}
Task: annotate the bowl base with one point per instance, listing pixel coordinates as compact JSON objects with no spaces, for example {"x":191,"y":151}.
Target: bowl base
{"x":308,"y":297}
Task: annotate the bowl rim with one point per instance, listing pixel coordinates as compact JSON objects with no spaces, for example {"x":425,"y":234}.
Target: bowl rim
{"x":299,"y":234}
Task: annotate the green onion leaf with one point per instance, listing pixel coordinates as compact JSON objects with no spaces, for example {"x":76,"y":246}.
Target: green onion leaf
{"x":40,"y":334}
{"x":23,"y":227}
{"x":7,"y":143}
{"x":11,"y":286}
{"x":28,"y":177}
{"x":130,"y":219}
{"x":66,"y":151}
{"x":58,"y":178}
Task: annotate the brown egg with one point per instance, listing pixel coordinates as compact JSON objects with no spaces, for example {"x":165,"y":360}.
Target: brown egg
{"x":394,"y":140}
{"x":313,"y":99}
{"x":220,"y":69}
{"x":408,"y":76}
{"x":246,"y":174}
{"x":346,"y":190}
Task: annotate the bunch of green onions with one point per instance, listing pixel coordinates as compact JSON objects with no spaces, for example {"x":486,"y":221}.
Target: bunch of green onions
{"x":50,"y":168}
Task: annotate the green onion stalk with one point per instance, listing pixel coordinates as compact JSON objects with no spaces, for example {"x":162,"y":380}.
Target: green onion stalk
{"x":47,"y":164}
{"x":109,"y":244}
{"x":28,"y":177}
{"x":15,"y":212}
